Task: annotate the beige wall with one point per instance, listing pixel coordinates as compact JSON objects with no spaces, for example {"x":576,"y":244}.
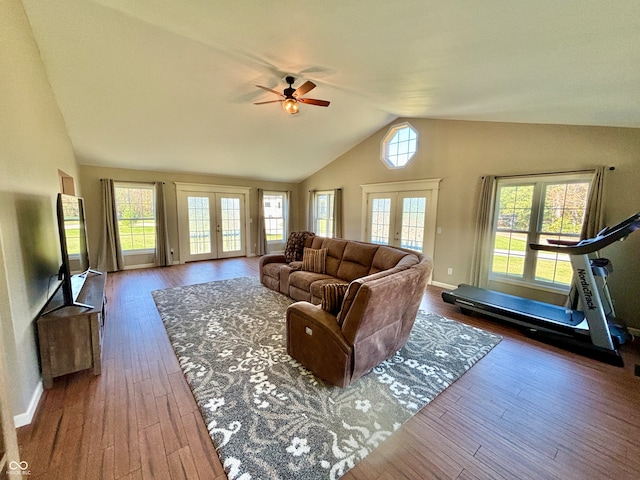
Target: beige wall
{"x":90,"y":182}
{"x":461,"y":152}
{"x":34,"y":144}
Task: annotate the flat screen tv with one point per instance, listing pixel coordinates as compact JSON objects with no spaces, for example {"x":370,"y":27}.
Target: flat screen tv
{"x":74,"y":248}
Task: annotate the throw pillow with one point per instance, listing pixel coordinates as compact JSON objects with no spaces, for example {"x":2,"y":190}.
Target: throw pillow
{"x":295,"y":245}
{"x":313,"y":259}
{"x":332,"y":296}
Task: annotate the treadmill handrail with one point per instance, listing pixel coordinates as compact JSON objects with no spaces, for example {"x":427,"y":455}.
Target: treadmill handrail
{"x":589,"y":245}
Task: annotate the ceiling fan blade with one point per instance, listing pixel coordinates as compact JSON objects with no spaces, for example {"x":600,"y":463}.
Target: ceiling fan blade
{"x":313,"y":101}
{"x":304,"y":88}
{"x":270,"y":90}
{"x":269,"y":101}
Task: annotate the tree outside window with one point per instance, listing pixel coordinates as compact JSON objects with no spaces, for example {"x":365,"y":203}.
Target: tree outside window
{"x":534,"y":210}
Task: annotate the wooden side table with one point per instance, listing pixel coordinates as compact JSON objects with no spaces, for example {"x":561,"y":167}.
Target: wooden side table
{"x":71,"y":337}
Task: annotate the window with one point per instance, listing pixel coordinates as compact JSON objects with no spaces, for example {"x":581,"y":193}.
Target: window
{"x":399,"y":145}
{"x":323,"y":214}
{"x":135,"y":206}
{"x":533,"y":210}
{"x":274,"y":216}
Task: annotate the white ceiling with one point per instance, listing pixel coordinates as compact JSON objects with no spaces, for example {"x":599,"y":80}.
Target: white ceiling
{"x":170,"y":84}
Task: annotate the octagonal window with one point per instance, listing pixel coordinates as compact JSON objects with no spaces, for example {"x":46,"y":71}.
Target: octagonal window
{"x":399,"y":145}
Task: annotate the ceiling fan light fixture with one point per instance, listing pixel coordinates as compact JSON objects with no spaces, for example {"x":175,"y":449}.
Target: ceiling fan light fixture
{"x":290,"y":105}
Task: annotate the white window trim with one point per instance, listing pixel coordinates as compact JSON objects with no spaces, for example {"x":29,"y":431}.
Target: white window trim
{"x":315,"y":210}
{"x":385,"y":142}
{"x":184,"y":187}
{"x":430,"y":186}
{"x":527,"y":180}
{"x":146,"y":185}
{"x":285,"y":213}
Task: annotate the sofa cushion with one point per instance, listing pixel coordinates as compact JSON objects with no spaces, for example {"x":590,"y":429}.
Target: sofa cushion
{"x":315,"y":242}
{"x":285,"y":271}
{"x":335,"y":248}
{"x":388,"y":257}
{"x":303,"y":280}
{"x":295,"y":245}
{"x":356,"y":260}
{"x":316,"y":288}
{"x":332,"y":295}
{"x":313,"y":260}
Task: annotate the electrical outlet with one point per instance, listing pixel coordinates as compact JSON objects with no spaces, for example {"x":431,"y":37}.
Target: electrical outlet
{"x":449,"y":271}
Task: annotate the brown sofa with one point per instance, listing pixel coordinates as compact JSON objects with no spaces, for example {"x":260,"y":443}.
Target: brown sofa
{"x":372,"y":322}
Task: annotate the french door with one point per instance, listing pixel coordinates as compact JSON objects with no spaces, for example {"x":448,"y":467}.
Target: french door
{"x":401,"y":214}
{"x":398,"y":219}
{"x":211,"y":225}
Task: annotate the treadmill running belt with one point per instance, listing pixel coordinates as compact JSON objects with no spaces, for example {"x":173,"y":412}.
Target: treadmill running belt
{"x":510,"y":303}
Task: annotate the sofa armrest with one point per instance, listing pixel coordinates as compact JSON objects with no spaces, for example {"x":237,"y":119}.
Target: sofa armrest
{"x":316,"y":341}
{"x":272,"y":258}
{"x":265,"y":260}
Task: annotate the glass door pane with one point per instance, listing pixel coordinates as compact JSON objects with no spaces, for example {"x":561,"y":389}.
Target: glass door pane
{"x":380,"y":219}
{"x":229,"y":228}
{"x":412,"y":224}
{"x":199,"y":217}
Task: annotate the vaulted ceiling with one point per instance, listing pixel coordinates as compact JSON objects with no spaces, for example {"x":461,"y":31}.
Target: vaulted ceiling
{"x":170,"y":85}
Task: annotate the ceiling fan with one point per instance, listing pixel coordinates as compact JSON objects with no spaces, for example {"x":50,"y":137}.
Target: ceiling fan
{"x":291,"y":97}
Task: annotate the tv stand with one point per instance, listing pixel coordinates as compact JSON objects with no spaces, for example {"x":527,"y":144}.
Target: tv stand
{"x":70,"y":336}
{"x":77,"y":282}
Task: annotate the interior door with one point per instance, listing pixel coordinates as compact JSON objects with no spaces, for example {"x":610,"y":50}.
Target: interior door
{"x":214,"y":226}
{"x":398,"y":219}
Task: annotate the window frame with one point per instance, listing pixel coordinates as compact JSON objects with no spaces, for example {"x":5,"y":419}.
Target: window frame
{"x":386,"y":143}
{"x":285,"y":215}
{"x":330,"y":213}
{"x":145,"y":186}
{"x":533,"y":234}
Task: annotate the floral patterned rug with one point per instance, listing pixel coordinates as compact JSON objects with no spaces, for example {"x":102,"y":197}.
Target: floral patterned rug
{"x":269,"y":417}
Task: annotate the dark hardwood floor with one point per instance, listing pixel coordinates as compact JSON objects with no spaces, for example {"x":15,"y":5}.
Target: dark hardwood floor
{"x":527,"y":410}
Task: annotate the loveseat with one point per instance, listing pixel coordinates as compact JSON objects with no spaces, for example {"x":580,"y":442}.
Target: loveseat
{"x":355,"y":313}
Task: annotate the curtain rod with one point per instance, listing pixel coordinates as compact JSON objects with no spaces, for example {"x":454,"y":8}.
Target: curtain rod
{"x":567,"y":172}
{"x":139,"y":182}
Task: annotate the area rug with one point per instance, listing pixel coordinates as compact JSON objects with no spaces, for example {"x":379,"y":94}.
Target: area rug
{"x":269,"y":417}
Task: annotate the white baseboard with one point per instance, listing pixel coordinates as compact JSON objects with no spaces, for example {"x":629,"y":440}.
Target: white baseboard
{"x":634,"y":331}
{"x":443,"y":285}
{"x":25,"y":418}
{"x":140,"y":265}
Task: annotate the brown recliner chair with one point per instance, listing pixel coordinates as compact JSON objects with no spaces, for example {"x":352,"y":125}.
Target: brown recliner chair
{"x":374,"y":322}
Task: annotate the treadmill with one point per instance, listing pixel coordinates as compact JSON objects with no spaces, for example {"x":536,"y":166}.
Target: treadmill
{"x":592,"y":331}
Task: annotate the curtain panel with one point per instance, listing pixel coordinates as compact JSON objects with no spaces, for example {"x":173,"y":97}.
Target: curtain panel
{"x":163,"y":255}
{"x":337,"y":213}
{"x":110,"y":258}
{"x":310,"y":210}
{"x":593,"y":222}
{"x":483,"y":231}
{"x":262,"y":234}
